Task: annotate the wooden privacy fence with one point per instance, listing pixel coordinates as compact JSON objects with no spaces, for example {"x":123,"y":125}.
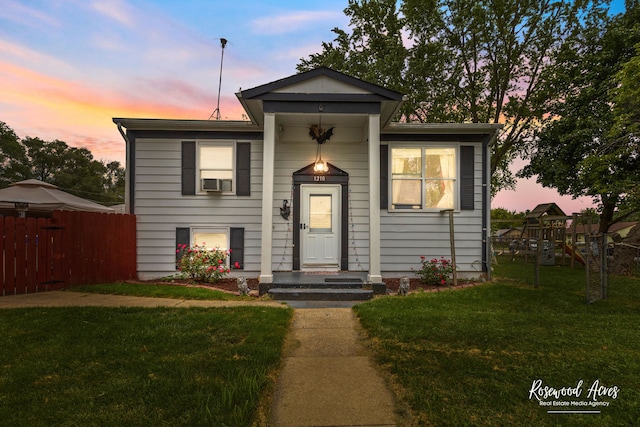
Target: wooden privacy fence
{"x":71,"y":248}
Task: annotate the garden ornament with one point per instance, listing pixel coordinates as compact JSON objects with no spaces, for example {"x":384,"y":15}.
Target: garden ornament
{"x":403,"y":289}
{"x":243,"y":288}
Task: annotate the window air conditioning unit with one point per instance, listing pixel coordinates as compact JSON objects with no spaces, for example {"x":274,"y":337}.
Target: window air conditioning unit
{"x":215,"y":185}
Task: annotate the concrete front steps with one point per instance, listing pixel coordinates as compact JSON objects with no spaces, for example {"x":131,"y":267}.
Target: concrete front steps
{"x":324,"y":289}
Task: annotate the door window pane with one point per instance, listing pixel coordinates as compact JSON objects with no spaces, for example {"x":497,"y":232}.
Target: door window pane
{"x":320,"y":213}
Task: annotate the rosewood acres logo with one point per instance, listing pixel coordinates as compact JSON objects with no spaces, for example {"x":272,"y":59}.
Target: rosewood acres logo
{"x":577,"y":399}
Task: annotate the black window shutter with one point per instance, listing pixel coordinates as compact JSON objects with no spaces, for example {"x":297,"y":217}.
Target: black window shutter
{"x":466,"y":177}
{"x":243,"y":169}
{"x":384,"y":176}
{"x":188,"y":168}
{"x":183,"y":237}
{"x":237,"y":247}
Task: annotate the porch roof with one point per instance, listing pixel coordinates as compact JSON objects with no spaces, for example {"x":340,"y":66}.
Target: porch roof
{"x":316,"y":90}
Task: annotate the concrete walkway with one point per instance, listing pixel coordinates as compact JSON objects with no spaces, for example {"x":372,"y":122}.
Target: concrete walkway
{"x":327,"y":378}
{"x":70,"y":298}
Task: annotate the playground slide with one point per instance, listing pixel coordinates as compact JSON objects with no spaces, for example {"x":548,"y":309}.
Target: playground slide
{"x":575,"y":253}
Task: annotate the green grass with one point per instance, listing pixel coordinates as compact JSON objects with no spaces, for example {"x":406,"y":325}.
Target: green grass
{"x":160,"y":291}
{"x":469,"y":357}
{"x":81,"y":366}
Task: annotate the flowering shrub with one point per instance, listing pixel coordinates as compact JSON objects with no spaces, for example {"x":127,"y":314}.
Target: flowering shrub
{"x":201,"y":264}
{"x":435,"y":271}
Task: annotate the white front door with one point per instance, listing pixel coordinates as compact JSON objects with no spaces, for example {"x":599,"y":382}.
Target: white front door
{"x":320,"y":225}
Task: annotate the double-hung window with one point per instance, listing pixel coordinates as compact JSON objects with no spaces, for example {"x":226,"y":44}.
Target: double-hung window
{"x":211,"y":238}
{"x":423,"y":178}
{"x":216,"y":162}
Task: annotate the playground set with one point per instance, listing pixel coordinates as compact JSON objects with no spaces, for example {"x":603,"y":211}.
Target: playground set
{"x":545,"y":240}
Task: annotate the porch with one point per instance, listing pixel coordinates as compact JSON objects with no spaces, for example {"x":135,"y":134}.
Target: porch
{"x":321,"y":286}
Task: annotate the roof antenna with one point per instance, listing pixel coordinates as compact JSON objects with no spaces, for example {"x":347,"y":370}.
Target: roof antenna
{"x":216,"y":113}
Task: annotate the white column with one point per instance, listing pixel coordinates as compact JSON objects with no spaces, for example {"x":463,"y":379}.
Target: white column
{"x":374,"y":199}
{"x":268,"y":166}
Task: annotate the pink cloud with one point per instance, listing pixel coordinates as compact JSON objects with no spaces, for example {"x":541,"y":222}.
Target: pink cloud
{"x":81,"y":114}
{"x":288,"y":22}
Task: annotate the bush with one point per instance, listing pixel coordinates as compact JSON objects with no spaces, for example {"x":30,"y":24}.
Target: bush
{"x":201,"y":264}
{"x":435,"y":271}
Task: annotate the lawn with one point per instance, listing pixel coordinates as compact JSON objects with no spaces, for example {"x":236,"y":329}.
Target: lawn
{"x":473,"y":356}
{"x":137,"y":366}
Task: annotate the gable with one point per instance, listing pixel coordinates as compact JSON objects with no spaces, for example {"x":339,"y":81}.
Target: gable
{"x":322,"y":84}
{"x":312,"y":90}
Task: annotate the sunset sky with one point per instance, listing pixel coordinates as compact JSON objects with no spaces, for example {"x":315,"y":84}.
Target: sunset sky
{"x":67,"y":67}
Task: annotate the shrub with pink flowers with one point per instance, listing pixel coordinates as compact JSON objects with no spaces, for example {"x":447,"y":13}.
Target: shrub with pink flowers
{"x":200,"y":264}
{"x":435,"y":271}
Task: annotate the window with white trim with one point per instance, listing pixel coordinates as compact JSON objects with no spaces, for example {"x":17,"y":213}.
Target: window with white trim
{"x":216,"y":161}
{"x":211,"y":238}
{"x":423,"y":178}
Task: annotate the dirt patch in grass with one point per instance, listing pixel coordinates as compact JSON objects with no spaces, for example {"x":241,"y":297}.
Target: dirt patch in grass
{"x":416,"y":285}
{"x":226,"y":284}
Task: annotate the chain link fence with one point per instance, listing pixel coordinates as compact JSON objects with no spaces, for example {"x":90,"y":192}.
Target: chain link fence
{"x":530,"y":254}
{"x":596,"y":252}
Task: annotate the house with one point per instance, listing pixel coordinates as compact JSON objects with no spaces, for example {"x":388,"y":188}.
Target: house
{"x":319,"y":179}
{"x":621,"y":228}
{"x":507,"y":234}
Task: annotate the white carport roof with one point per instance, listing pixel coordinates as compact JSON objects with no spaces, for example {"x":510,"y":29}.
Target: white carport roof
{"x":42,"y":196}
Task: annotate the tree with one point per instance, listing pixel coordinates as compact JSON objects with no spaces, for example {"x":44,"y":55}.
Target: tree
{"x":627,"y":97}
{"x":466,"y":60}
{"x":582,"y":149}
{"x":72,"y":169}
{"x":503,"y":218}
{"x":13,"y":157}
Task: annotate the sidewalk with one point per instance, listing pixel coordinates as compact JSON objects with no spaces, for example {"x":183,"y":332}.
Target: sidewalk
{"x":327,"y":378}
{"x":69,"y":298}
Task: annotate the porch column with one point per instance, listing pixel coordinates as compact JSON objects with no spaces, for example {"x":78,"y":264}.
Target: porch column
{"x":266,"y":273}
{"x":374,"y":199}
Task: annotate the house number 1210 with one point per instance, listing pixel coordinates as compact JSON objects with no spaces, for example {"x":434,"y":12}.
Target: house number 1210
{"x":319,"y":178}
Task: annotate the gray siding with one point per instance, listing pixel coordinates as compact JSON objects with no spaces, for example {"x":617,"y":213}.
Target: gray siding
{"x":350,"y":156}
{"x":407,"y":236}
{"x":160,"y":207}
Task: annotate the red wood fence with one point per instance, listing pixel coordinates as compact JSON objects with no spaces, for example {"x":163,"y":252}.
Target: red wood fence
{"x":71,"y":248}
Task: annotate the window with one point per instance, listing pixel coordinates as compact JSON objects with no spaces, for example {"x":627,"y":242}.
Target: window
{"x":216,"y":161}
{"x":221,"y":160}
{"x":211,"y":238}
{"x":224,"y":238}
{"x":423,"y":178}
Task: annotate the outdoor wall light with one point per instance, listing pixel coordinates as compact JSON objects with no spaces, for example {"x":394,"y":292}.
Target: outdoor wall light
{"x":321,"y":165}
{"x":320,"y":135}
